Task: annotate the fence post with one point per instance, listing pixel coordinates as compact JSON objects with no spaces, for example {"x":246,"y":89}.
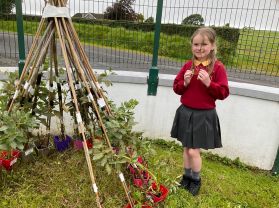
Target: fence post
{"x":153,"y":78}
{"x":20,"y":36}
{"x":275,"y":169}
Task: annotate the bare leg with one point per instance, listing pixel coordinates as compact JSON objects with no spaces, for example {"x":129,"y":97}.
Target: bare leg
{"x":186,"y":159}
{"x":195,"y":158}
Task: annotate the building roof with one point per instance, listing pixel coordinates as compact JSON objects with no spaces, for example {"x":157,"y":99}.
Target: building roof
{"x":89,"y":15}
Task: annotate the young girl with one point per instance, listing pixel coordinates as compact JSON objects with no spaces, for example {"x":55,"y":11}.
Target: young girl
{"x":200,"y":82}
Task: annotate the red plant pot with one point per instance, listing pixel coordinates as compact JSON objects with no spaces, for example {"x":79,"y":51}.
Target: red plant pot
{"x":138,"y":182}
{"x":0,"y":164}
{"x":132,"y":169}
{"x":3,"y":154}
{"x":16,"y":153}
{"x":163,"y":193}
{"x":6,"y":162}
{"x":143,"y":180}
{"x":89,"y":143}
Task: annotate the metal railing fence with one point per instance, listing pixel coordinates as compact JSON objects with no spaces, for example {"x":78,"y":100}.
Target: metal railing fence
{"x":248,"y":34}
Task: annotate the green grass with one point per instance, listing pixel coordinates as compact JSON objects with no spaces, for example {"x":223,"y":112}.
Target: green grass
{"x":62,"y":180}
{"x":257,"y":51}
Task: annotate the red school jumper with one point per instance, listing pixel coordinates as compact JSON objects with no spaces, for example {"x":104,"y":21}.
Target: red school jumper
{"x":196,"y":95}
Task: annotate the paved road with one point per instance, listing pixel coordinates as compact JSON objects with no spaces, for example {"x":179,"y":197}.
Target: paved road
{"x":127,"y":60}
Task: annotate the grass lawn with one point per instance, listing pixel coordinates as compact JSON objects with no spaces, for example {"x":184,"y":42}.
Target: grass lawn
{"x":62,"y":180}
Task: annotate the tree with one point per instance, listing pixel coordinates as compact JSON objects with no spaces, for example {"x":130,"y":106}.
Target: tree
{"x":194,"y":19}
{"x":140,"y":17}
{"x":121,"y":10}
{"x":6,"y":6}
{"x":149,"y":20}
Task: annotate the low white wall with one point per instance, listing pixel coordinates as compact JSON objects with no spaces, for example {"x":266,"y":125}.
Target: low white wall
{"x":249,"y":116}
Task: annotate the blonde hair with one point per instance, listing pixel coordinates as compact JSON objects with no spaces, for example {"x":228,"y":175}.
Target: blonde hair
{"x":211,"y":35}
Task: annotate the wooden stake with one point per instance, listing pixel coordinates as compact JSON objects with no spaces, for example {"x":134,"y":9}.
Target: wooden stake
{"x":77,"y":109}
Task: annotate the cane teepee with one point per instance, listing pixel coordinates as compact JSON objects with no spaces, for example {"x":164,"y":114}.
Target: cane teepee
{"x":56,"y":29}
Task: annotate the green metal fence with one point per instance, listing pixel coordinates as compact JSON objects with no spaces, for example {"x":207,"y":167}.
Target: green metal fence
{"x":248,"y":34}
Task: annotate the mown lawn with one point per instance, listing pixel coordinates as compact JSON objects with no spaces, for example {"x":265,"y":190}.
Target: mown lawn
{"x":62,"y":180}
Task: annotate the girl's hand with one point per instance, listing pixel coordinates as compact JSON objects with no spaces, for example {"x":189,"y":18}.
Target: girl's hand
{"x":204,"y":77}
{"x":187,"y":77}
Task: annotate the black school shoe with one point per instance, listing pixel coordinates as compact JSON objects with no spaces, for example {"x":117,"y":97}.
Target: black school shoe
{"x":194,"y":187}
{"x":185,"y":182}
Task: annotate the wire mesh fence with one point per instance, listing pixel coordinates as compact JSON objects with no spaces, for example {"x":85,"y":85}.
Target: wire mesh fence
{"x":120,"y":34}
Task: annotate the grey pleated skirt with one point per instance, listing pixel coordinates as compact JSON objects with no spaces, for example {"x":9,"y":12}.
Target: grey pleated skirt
{"x":197,"y":128}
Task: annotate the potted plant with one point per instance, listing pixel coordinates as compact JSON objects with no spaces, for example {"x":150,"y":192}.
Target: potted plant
{"x":14,"y":129}
{"x":20,"y":121}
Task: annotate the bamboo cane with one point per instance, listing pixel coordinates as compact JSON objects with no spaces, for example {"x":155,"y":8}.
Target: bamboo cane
{"x":99,"y":118}
{"x":24,"y":71}
{"x":29,"y":56}
{"x":34,"y":61}
{"x":58,"y":84}
{"x":36,"y":70}
{"x":123,"y":182}
{"x":24,"y":91}
{"x":77,"y":110}
{"x":73,"y":52}
{"x":87,"y":64}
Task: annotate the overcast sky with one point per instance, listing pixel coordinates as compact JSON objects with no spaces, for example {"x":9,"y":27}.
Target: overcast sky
{"x":263,"y":14}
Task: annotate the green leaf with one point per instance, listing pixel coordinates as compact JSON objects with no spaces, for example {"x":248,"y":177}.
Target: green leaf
{"x":3,"y":146}
{"x":104,"y":161}
{"x":98,"y":156}
{"x":108,"y":169}
{"x":3,"y":128}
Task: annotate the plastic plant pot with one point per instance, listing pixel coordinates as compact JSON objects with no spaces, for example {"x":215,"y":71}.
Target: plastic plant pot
{"x":4,"y":154}
{"x":8,"y":161}
{"x":132,"y":169}
{"x":138,"y":182}
{"x":143,"y":180}
{"x":78,"y":144}
{"x":62,"y":145}
{"x":42,"y":149}
{"x":0,"y":165}
{"x":157,"y":196}
{"x":16,"y":153}
{"x":89,"y":143}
